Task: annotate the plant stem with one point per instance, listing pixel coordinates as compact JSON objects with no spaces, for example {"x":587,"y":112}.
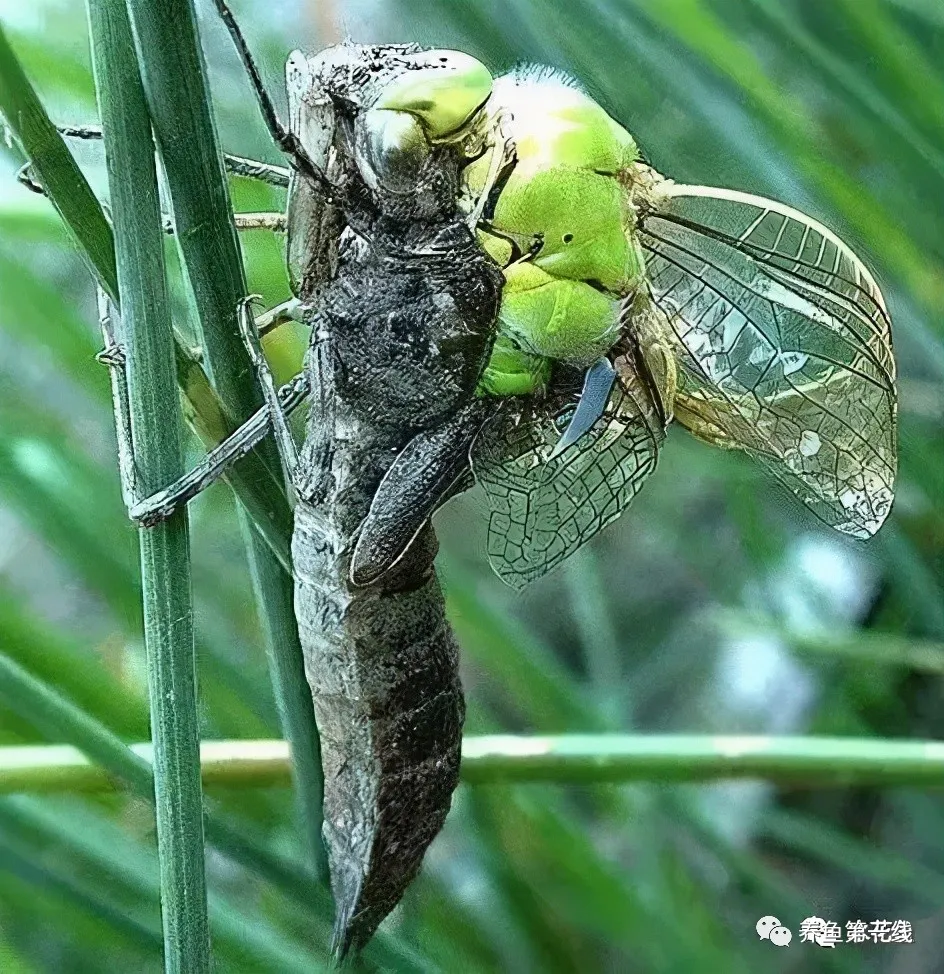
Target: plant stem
{"x":822,"y":762}
{"x":56,"y":169}
{"x":178,"y":97}
{"x":82,"y":214}
{"x":808,"y":761}
{"x":157,"y":434}
{"x":92,"y":747}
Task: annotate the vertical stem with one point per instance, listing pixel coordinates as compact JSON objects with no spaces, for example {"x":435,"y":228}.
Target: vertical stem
{"x":178,"y":97}
{"x":156,"y":430}
{"x":69,"y":191}
{"x":292,"y":695}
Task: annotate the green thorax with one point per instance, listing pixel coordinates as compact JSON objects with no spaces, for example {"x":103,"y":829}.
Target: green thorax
{"x":561,"y":227}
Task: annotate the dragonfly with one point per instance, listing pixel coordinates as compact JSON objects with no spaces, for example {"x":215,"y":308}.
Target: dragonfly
{"x":745,"y":321}
{"x":401,"y":303}
{"x":631,"y":302}
{"x":500,"y":289}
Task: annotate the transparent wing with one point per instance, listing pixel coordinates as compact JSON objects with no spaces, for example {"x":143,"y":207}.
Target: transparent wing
{"x":783,"y":346}
{"x":544,"y":509}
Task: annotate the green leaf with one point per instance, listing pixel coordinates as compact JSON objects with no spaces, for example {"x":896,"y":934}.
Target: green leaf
{"x":56,"y":169}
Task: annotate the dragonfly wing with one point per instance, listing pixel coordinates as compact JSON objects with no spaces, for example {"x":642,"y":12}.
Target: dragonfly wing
{"x":544,"y":508}
{"x":783,"y":346}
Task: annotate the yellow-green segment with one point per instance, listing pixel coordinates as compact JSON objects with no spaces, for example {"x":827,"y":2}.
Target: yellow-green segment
{"x":444,"y":90}
{"x":560,"y":225}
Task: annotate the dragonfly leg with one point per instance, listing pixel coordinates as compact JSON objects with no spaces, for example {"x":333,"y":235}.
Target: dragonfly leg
{"x":113,"y":355}
{"x":502,"y":153}
{"x":250,"y":334}
{"x":160,"y":505}
{"x":237,"y":165}
{"x":281,"y":314}
{"x":277,"y":222}
{"x":260,"y":221}
{"x":25,"y":177}
{"x":264,"y":172}
{"x":287,"y":140}
{"x":243,"y":221}
{"x":218,"y":461}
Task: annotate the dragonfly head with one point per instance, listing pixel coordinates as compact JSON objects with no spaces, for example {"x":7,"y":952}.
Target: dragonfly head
{"x":407,"y":119}
{"x":433,"y":105}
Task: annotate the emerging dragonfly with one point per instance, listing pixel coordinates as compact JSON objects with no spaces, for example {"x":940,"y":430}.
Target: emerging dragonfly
{"x":747,"y":322}
{"x":626,"y":301}
{"x":630,"y":301}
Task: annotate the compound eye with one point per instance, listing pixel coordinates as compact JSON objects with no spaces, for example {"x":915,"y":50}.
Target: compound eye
{"x":391,"y":150}
{"x":443,"y":89}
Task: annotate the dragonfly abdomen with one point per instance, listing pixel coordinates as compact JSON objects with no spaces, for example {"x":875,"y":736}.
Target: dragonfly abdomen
{"x":382,"y":664}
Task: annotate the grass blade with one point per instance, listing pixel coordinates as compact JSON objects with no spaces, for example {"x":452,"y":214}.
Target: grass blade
{"x":157,"y":432}
{"x":85,"y":219}
{"x":59,"y":661}
{"x":59,"y":720}
{"x":562,"y":758}
{"x":56,"y":169}
{"x":130,"y":871}
{"x":176,"y":87}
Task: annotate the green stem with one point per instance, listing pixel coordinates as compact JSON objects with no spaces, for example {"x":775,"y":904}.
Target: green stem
{"x":828,"y":762}
{"x":82,"y":214}
{"x":56,"y":169}
{"x":157,"y":432}
{"x":60,"y":720}
{"x":178,"y":97}
{"x":92,"y":747}
{"x":86,"y":840}
{"x":594,"y":758}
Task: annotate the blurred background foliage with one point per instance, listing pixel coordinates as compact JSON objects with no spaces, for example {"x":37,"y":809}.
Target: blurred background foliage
{"x":716,"y":605}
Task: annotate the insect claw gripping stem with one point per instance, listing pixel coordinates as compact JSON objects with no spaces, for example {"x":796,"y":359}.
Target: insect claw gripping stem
{"x":161,"y":505}
{"x":113,"y":355}
{"x":24,"y":176}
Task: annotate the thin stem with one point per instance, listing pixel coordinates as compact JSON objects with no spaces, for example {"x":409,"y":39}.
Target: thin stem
{"x":178,"y":98}
{"x":59,"y":719}
{"x":91,"y":745}
{"x":157,"y":437}
{"x":59,"y":178}
{"x":821,"y":762}
{"x":55,"y":168}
